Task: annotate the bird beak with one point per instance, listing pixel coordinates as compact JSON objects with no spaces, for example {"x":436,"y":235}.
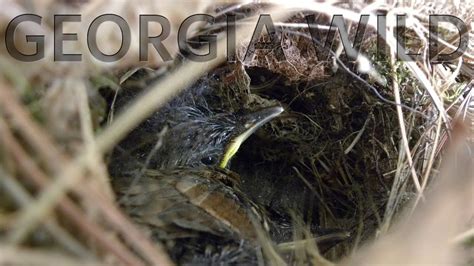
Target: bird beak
{"x":250,"y":124}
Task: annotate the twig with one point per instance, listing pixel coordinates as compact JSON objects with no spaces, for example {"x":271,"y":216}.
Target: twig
{"x":20,"y":256}
{"x":96,"y":165}
{"x":463,"y":237}
{"x":401,"y":121}
{"x":51,"y":195}
{"x":357,"y":138}
{"x":429,"y":166}
{"x":29,"y":168}
{"x":22,"y":198}
{"x":299,"y":244}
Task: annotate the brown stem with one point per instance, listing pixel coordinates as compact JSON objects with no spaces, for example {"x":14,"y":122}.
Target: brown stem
{"x":30,"y":170}
{"x":45,"y":146}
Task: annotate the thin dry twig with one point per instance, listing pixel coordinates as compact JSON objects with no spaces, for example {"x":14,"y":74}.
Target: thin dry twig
{"x":22,"y":198}
{"x":29,"y":168}
{"x":86,"y":192}
{"x":430,"y":164}
{"x":21,"y":256}
{"x":401,"y":122}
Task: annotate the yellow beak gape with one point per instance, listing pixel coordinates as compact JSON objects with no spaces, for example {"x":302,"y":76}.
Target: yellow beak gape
{"x":255,"y":121}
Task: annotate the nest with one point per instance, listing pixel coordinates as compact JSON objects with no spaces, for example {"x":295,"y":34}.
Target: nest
{"x":360,"y":149}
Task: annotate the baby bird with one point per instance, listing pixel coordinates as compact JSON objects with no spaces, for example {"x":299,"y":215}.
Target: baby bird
{"x":191,"y":201}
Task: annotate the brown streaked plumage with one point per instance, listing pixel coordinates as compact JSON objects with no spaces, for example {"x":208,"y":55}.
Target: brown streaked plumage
{"x":185,"y":203}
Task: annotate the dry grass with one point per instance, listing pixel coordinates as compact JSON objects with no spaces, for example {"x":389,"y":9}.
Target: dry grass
{"x":57,"y":207}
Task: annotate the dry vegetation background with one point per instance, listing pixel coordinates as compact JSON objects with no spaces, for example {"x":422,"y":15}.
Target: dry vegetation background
{"x":56,"y":204}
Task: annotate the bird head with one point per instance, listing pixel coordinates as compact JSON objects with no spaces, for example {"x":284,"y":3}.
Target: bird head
{"x":209,"y":139}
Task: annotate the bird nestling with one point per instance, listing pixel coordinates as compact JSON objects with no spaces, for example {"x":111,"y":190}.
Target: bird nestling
{"x":209,"y":140}
{"x":190,"y":193}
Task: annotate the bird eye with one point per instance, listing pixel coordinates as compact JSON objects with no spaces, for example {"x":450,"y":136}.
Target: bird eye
{"x":209,"y":160}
